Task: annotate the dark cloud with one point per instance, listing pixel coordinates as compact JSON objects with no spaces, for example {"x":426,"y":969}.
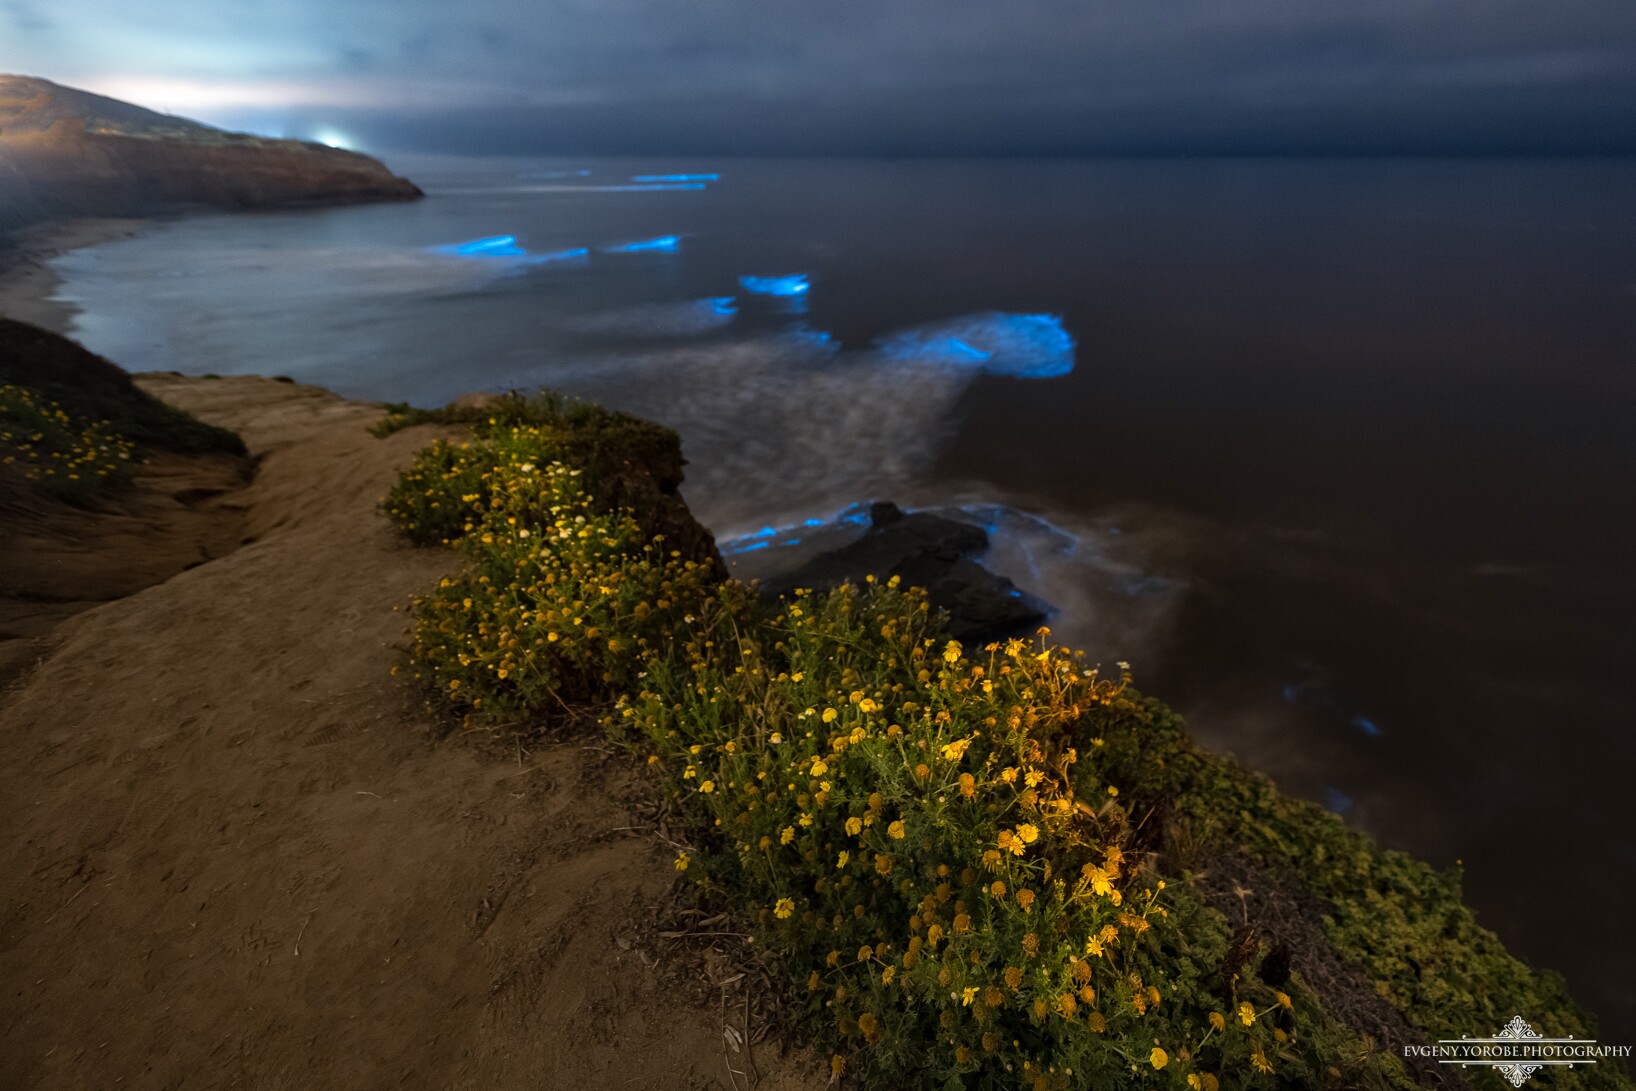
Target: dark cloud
{"x":927,"y":75}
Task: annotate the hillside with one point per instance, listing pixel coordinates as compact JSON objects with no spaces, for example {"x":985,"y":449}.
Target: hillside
{"x":66,"y":152}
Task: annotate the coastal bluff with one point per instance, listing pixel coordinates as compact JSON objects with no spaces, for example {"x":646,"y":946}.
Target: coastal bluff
{"x":69,"y":153}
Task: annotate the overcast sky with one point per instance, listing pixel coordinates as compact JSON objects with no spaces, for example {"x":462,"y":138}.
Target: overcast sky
{"x":896,"y":76}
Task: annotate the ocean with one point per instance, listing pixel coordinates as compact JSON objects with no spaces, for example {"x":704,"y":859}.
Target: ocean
{"x":1336,"y":452}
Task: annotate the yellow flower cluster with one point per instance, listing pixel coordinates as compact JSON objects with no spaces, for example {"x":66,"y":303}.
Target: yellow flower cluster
{"x":930,"y":836}
{"x":933,"y":834}
{"x":53,"y":449}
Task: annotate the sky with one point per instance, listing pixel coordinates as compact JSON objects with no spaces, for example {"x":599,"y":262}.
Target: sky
{"x":862,"y":76}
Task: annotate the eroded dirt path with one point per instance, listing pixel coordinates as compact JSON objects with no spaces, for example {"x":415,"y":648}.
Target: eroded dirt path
{"x":234,"y":857}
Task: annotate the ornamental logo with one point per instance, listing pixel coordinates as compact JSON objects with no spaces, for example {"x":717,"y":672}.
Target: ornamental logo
{"x":1517,"y":1051}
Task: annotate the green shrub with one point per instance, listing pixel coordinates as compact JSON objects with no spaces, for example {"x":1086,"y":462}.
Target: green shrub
{"x":560,"y":601}
{"x":58,"y":452}
{"x":954,"y":853}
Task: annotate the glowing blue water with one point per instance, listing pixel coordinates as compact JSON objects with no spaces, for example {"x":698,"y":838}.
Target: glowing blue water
{"x":495,"y":246}
{"x":576,"y":254}
{"x":1032,"y":346}
{"x":654,"y":187}
{"x":668,"y":244}
{"x":676,"y":178}
{"x":793,"y":285}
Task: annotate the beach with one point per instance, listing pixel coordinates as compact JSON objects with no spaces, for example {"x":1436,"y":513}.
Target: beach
{"x":27,"y":282}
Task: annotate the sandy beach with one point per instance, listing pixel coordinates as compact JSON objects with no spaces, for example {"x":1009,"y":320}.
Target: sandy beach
{"x":27,"y":282}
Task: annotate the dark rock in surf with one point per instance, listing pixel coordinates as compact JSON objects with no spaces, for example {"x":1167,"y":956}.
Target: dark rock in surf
{"x":927,"y":551}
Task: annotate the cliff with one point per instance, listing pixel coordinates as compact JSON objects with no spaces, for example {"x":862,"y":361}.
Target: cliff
{"x":67,"y":153}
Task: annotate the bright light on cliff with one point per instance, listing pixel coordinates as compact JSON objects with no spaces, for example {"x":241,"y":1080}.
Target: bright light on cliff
{"x":333,"y":139}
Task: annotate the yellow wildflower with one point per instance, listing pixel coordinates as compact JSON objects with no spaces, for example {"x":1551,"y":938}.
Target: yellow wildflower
{"x":1158,"y":1058}
{"x":785,"y":909}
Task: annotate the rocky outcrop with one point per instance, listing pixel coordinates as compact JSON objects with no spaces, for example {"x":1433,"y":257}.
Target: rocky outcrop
{"x":69,"y":153}
{"x":927,"y":551}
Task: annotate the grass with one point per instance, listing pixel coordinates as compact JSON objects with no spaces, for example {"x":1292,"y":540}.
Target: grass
{"x":979,"y":868}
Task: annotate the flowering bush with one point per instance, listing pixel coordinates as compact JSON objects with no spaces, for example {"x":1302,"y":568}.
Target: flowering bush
{"x":955,"y":853}
{"x":929,"y":839}
{"x":57,"y":451}
{"x":560,"y":601}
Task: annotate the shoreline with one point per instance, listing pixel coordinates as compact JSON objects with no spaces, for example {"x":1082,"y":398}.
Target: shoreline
{"x":28,"y":284}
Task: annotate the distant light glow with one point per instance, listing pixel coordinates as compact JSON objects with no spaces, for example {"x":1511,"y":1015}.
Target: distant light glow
{"x":792,"y":285}
{"x":668,"y":244}
{"x":332,"y":139}
{"x":676,"y":178}
{"x":1367,"y":726}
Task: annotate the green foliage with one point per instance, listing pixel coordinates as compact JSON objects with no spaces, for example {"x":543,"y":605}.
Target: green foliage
{"x":493,"y":416}
{"x":148,"y":422}
{"x":1397,"y":918}
{"x":559,"y":601}
{"x":932,"y":842}
{"x":56,"y":451}
{"x":443,"y":493}
{"x":949,"y":850}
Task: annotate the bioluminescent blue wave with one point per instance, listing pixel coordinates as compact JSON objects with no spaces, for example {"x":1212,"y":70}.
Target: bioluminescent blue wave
{"x":785,"y":286}
{"x":677,"y":178}
{"x":664,"y":243}
{"x":1032,"y":346}
{"x":1367,"y":726}
{"x":723,"y":304}
{"x":495,"y":246}
{"x":646,"y":187}
{"x":850,"y":518}
{"x":543,"y":175}
{"x":557,"y":255}
{"x":818,"y":340}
